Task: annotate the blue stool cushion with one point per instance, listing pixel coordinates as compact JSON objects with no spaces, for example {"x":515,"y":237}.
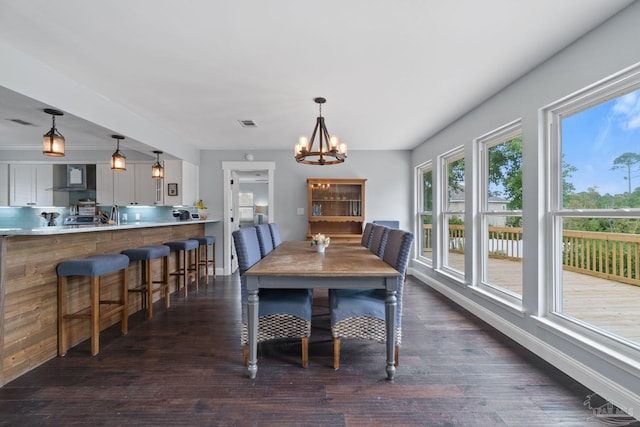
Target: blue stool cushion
{"x":147,"y":252}
{"x":183,"y":245}
{"x":204,"y":240}
{"x":96,"y":265}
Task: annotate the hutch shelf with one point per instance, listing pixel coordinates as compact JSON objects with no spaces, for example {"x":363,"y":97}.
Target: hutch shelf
{"x":336,"y":208}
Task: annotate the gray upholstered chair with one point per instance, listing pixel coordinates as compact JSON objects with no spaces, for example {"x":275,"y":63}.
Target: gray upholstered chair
{"x":282,"y":313}
{"x":360,"y":313}
{"x":275,"y":234}
{"x":390,"y":224}
{"x":264,"y":239}
{"x":366,"y":235}
{"x":379,"y":235}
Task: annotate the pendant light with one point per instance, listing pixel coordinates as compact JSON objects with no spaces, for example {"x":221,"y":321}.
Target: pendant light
{"x":118,"y":160}
{"x":53,"y":141}
{"x":157,"y":171}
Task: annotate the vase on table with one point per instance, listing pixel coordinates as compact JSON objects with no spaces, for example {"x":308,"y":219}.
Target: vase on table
{"x":320,"y":248}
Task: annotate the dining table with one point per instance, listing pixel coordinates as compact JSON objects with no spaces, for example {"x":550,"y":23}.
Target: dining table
{"x":298,"y":265}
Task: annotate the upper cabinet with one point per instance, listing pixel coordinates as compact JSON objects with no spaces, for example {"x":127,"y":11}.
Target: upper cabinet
{"x":4,"y":184}
{"x":131,"y":187}
{"x":30,"y":185}
{"x":180,"y":183}
{"x":336,"y":208}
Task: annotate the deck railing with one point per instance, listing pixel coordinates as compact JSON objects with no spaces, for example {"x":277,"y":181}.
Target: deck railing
{"x":613,"y":256}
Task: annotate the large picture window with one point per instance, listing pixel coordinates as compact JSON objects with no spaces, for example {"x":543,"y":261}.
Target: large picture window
{"x":594,"y":146}
{"x":500,"y":210}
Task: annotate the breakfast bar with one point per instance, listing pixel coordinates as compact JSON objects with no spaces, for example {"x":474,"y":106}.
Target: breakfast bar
{"x":28,"y":282}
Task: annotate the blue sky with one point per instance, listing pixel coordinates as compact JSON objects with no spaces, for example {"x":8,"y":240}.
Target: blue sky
{"x":593,"y":138}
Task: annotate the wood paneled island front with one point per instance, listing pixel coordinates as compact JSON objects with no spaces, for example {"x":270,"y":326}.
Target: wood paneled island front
{"x":28,"y":283}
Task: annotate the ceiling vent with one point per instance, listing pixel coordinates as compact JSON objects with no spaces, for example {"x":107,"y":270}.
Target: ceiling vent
{"x":21,"y":122}
{"x":248,"y":123}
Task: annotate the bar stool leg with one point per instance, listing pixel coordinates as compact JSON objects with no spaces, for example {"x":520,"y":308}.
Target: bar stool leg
{"x":62,"y":309}
{"x":196,"y":266}
{"x":148,"y":287}
{"x":165,"y":275}
{"x":185,"y":271}
{"x":125,"y":302}
{"x":95,"y":315}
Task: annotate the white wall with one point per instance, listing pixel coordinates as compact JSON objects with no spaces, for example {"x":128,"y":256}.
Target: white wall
{"x":600,"y":53}
{"x":388,"y":190}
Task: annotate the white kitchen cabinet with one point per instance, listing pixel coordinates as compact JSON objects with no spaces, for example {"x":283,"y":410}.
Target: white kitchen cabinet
{"x":31,"y":185}
{"x":131,"y":187}
{"x":185,"y":175}
{"x":4,"y":184}
{"x":104,"y":184}
{"x":146,"y":188}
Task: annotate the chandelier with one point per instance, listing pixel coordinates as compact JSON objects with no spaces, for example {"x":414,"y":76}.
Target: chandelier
{"x":329,"y":151}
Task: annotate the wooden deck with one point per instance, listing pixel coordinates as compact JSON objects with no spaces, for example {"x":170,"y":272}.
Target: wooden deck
{"x":607,"y":304}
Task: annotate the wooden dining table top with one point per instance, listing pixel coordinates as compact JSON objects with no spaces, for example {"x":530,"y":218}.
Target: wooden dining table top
{"x":299,"y":258}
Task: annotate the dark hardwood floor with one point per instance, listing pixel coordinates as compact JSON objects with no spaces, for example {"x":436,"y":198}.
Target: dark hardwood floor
{"x":184,"y":368}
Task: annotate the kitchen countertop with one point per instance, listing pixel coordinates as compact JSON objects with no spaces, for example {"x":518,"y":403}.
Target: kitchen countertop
{"x":66,"y":229}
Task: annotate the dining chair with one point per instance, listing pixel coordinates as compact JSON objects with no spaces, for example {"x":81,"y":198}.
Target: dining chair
{"x":264,"y":239}
{"x":386,"y":223}
{"x":366,"y":235}
{"x":379,"y":235}
{"x":360,"y":313}
{"x":275,"y":234}
{"x":282,"y":313}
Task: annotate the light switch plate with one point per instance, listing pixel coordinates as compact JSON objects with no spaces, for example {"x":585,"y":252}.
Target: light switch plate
{"x":300,"y":211}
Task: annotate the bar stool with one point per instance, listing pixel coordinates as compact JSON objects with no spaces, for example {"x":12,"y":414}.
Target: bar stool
{"x":94,"y":267}
{"x":186,"y":248}
{"x":146,"y":254}
{"x":206,"y":241}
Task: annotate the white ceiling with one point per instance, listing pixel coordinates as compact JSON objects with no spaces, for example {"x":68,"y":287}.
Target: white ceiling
{"x":393,"y":72}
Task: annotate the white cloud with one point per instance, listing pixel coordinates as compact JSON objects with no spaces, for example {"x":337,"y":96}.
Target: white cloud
{"x":627,"y":110}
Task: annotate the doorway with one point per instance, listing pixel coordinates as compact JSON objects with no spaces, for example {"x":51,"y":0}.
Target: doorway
{"x":235,"y":173}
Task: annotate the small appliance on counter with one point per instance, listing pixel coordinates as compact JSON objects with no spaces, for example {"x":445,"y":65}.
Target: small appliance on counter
{"x":181,"y":214}
{"x":86,"y":207}
{"x":83,"y":220}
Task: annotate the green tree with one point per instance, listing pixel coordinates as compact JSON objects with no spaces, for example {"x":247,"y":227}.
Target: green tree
{"x":505,"y":171}
{"x":630,"y":162}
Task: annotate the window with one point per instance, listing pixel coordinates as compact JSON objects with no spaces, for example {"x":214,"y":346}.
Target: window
{"x":500,"y":210}
{"x":425,"y":213}
{"x":452,"y":243}
{"x":594,"y":188}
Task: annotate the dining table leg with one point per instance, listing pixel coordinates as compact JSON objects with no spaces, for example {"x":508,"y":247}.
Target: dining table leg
{"x":252,"y":325}
{"x":391,"y":305}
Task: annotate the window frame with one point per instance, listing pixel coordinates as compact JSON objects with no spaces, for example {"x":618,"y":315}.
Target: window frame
{"x":443,"y":213}
{"x":421,"y":213}
{"x":482,"y":145}
{"x":618,"y":349}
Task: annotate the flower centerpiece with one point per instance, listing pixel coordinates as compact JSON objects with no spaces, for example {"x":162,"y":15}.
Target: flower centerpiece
{"x":320,"y":241}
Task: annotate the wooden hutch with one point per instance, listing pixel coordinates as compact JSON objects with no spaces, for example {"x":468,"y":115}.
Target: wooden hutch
{"x":336,"y":208}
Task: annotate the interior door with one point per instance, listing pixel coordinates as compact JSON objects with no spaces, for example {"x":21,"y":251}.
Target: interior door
{"x":234,"y":214}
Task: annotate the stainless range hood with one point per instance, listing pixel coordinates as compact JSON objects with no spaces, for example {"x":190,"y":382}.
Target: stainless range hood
{"x":74,"y":177}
